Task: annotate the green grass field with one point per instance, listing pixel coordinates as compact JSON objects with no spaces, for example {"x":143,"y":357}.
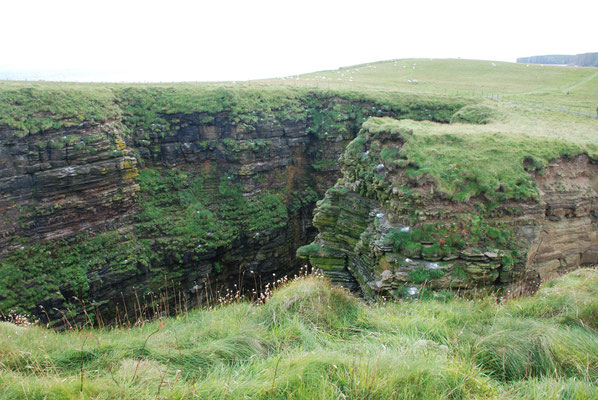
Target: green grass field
{"x":575,"y":88}
{"x":519,"y":104}
{"x":314,"y":341}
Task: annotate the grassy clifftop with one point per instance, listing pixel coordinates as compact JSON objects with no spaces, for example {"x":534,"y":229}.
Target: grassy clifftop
{"x":28,"y":108}
{"x":311,"y":340}
{"x":38,"y":105}
{"x":512,"y":105}
{"x":556,"y":86}
{"x":494,"y":160}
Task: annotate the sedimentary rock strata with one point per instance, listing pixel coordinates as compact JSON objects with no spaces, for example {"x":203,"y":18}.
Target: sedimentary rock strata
{"x":391,"y":234}
{"x":104,"y":213}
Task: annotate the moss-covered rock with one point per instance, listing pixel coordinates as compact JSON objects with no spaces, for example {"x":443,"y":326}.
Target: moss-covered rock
{"x":399,"y":233}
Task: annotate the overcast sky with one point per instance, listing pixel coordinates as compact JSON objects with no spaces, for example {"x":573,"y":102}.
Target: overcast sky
{"x":173,"y":40}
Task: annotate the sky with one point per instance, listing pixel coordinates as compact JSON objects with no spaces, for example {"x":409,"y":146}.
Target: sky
{"x":175,"y":40}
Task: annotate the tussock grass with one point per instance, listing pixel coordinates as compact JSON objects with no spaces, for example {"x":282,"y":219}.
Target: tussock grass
{"x":316,"y":341}
{"x":323,"y":306}
{"x":570,"y":300}
{"x":552,"y":389}
{"x":514,"y":349}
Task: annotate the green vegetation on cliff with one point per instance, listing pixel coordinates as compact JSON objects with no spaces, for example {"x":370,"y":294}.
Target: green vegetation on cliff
{"x":177,"y":208}
{"x":495,"y":161}
{"x":314,"y":341}
{"x":28,"y":108}
{"x":178,"y":220}
{"x":480,"y":148}
{"x":39,"y":273}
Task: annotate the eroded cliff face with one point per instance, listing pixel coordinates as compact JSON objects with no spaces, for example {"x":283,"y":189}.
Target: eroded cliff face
{"x":115,"y":217}
{"x":55,"y":184}
{"x":388,"y":233}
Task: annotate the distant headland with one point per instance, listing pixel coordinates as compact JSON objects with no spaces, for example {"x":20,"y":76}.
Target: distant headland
{"x":577,"y":60}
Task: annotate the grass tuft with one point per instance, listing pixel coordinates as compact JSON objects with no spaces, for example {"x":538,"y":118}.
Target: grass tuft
{"x":312,"y":340}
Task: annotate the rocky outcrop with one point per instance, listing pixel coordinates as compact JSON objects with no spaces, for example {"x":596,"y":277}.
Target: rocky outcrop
{"x":118,"y":216}
{"x":56,"y":184}
{"x":392,"y":234}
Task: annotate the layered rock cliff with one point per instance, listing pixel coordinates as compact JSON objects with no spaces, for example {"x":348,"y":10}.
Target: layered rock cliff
{"x":389,"y":231}
{"x":152,"y":205}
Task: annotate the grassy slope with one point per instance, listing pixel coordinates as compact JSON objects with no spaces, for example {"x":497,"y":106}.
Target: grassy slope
{"x":313,"y":341}
{"x":470,"y":78}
